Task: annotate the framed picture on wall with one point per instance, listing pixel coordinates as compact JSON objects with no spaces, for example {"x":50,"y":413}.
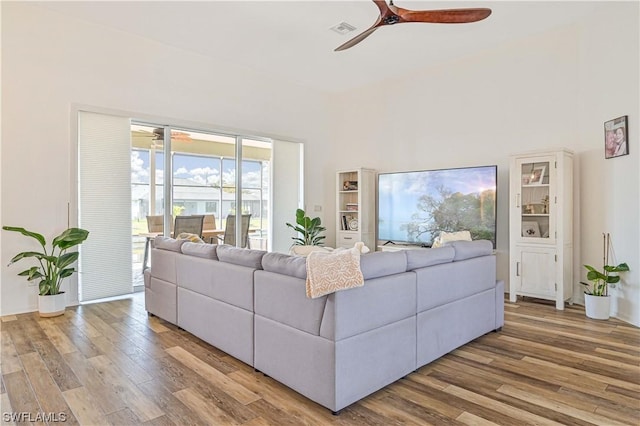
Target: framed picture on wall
{"x":616,"y":141}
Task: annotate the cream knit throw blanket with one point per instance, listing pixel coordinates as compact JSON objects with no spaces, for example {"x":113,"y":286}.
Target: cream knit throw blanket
{"x":333,"y":271}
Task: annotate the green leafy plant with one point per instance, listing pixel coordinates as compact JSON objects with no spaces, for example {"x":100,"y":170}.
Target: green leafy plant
{"x":309,"y":228}
{"x":600,"y":279}
{"x":55,"y":266}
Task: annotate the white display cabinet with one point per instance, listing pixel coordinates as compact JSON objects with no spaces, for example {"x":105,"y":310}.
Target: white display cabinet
{"x":540,"y":226}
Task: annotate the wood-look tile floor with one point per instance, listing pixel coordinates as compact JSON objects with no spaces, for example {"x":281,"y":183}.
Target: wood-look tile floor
{"x":110,"y":363}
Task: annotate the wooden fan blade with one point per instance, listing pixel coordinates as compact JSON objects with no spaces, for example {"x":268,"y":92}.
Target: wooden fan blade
{"x":382,"y":5}
{"x":357,"y":39}
{"x":445,"y":16}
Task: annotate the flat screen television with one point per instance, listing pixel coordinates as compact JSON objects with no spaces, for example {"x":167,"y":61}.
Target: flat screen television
{"x":414,"y":207}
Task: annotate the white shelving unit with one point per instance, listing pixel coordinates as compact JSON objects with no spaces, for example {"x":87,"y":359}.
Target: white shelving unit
{"x":540,"y":226}
{"x":355,"y":207}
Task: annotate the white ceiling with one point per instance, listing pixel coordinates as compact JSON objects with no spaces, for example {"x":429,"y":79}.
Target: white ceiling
{"x":293,"y":40}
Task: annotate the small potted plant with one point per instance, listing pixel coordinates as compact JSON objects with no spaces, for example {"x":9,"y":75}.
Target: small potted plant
{"x":54,"y":266}
{"x":309,"y":228}
{"x":596,"y":295}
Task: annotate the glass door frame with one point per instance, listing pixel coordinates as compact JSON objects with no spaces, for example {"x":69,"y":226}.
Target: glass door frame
{"x":168,"y":172}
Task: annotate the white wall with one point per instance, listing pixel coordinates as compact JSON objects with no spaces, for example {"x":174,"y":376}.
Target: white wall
{"x":551,"y":90}
{"x":610,"y":87}
{"x":51,"y":63}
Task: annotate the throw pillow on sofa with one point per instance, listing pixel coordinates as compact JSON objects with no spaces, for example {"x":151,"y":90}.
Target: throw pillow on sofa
{"x":190,"y":237}
{"x":447,"y":237}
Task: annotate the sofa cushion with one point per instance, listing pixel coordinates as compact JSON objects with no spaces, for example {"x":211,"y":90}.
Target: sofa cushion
{"x":469,"y":249}
{"x":441,"y":284}
{"x":240,"y":256}
{"x":305,"y":250}
{"x":166,"y":243}
{"x":222,"y":281}
{"x":383,"y":263}
{"x":421,"y":258}
{"x":206,"y":251}
{"x":294,"y":266}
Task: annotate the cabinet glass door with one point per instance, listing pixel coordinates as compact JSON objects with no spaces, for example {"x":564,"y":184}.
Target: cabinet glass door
{"x":535,"y":207}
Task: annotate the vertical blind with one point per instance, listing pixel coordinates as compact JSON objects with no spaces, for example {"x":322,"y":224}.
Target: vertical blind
{"x":104,"y":200}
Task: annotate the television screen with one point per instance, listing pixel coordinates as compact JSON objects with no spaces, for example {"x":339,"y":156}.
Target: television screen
{"x":414,"y":207}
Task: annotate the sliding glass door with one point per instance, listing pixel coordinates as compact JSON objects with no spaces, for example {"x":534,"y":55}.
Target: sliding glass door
{"x":210,"y":174}
{"x":134,"y":178}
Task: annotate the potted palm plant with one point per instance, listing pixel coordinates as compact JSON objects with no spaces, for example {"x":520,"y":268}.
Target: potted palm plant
{"x":309,"y":230}
{"x":596,"y":295}
{"x":53,"y":267}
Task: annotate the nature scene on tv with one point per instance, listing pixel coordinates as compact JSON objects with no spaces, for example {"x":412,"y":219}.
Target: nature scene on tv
{"x":413,"y":207}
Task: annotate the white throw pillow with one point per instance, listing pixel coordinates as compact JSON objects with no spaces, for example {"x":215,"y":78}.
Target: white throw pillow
{"x":190,"y":237}
{"x":447,"y":237}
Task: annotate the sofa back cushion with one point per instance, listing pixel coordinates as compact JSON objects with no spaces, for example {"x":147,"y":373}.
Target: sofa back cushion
{"x":421,"y":258}
{"x":383,"y":263}
{"x":294,"y":266}
{"x":240,"y":256}
{"x":205,"y":251}
{"x":446,"y":282}
{"x":166,"y":243}
{"x":470,"y":249}
{"x":226,"y":282}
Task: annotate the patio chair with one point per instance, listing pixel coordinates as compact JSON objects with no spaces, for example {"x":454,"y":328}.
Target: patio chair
{"x":229,"y":236}
{"x":209,"y":221}
{"x":188,"y":224}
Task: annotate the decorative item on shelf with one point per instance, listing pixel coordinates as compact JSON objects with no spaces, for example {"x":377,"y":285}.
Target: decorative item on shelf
{"x":537,"y":208}
{"x":616,"y":142}
{"x":545,"y":203}
{"x":596,"y":294}
{"x":352,"y":207}
{"x":53,"y":267}
{"x":530,"y":229}
{"x":353,"y":224}
{"x":350,"y":185}
{"x":310,"y":230}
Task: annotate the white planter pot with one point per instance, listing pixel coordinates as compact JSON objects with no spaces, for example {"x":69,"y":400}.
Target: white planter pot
{"x":597,"y":307}
{"x":52,"y":306}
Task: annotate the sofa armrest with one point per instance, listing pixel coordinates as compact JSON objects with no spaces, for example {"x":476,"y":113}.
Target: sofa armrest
{"x":147,"y":277}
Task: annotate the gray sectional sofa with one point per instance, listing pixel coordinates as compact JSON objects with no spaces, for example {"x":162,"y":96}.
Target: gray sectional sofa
{"x":415,"y":306}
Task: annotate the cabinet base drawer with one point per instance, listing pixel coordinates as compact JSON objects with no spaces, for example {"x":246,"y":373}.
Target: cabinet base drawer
{"x":347,"y":239}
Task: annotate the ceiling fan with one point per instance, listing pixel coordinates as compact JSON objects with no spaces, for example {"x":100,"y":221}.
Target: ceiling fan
{"x":391,"y":14}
